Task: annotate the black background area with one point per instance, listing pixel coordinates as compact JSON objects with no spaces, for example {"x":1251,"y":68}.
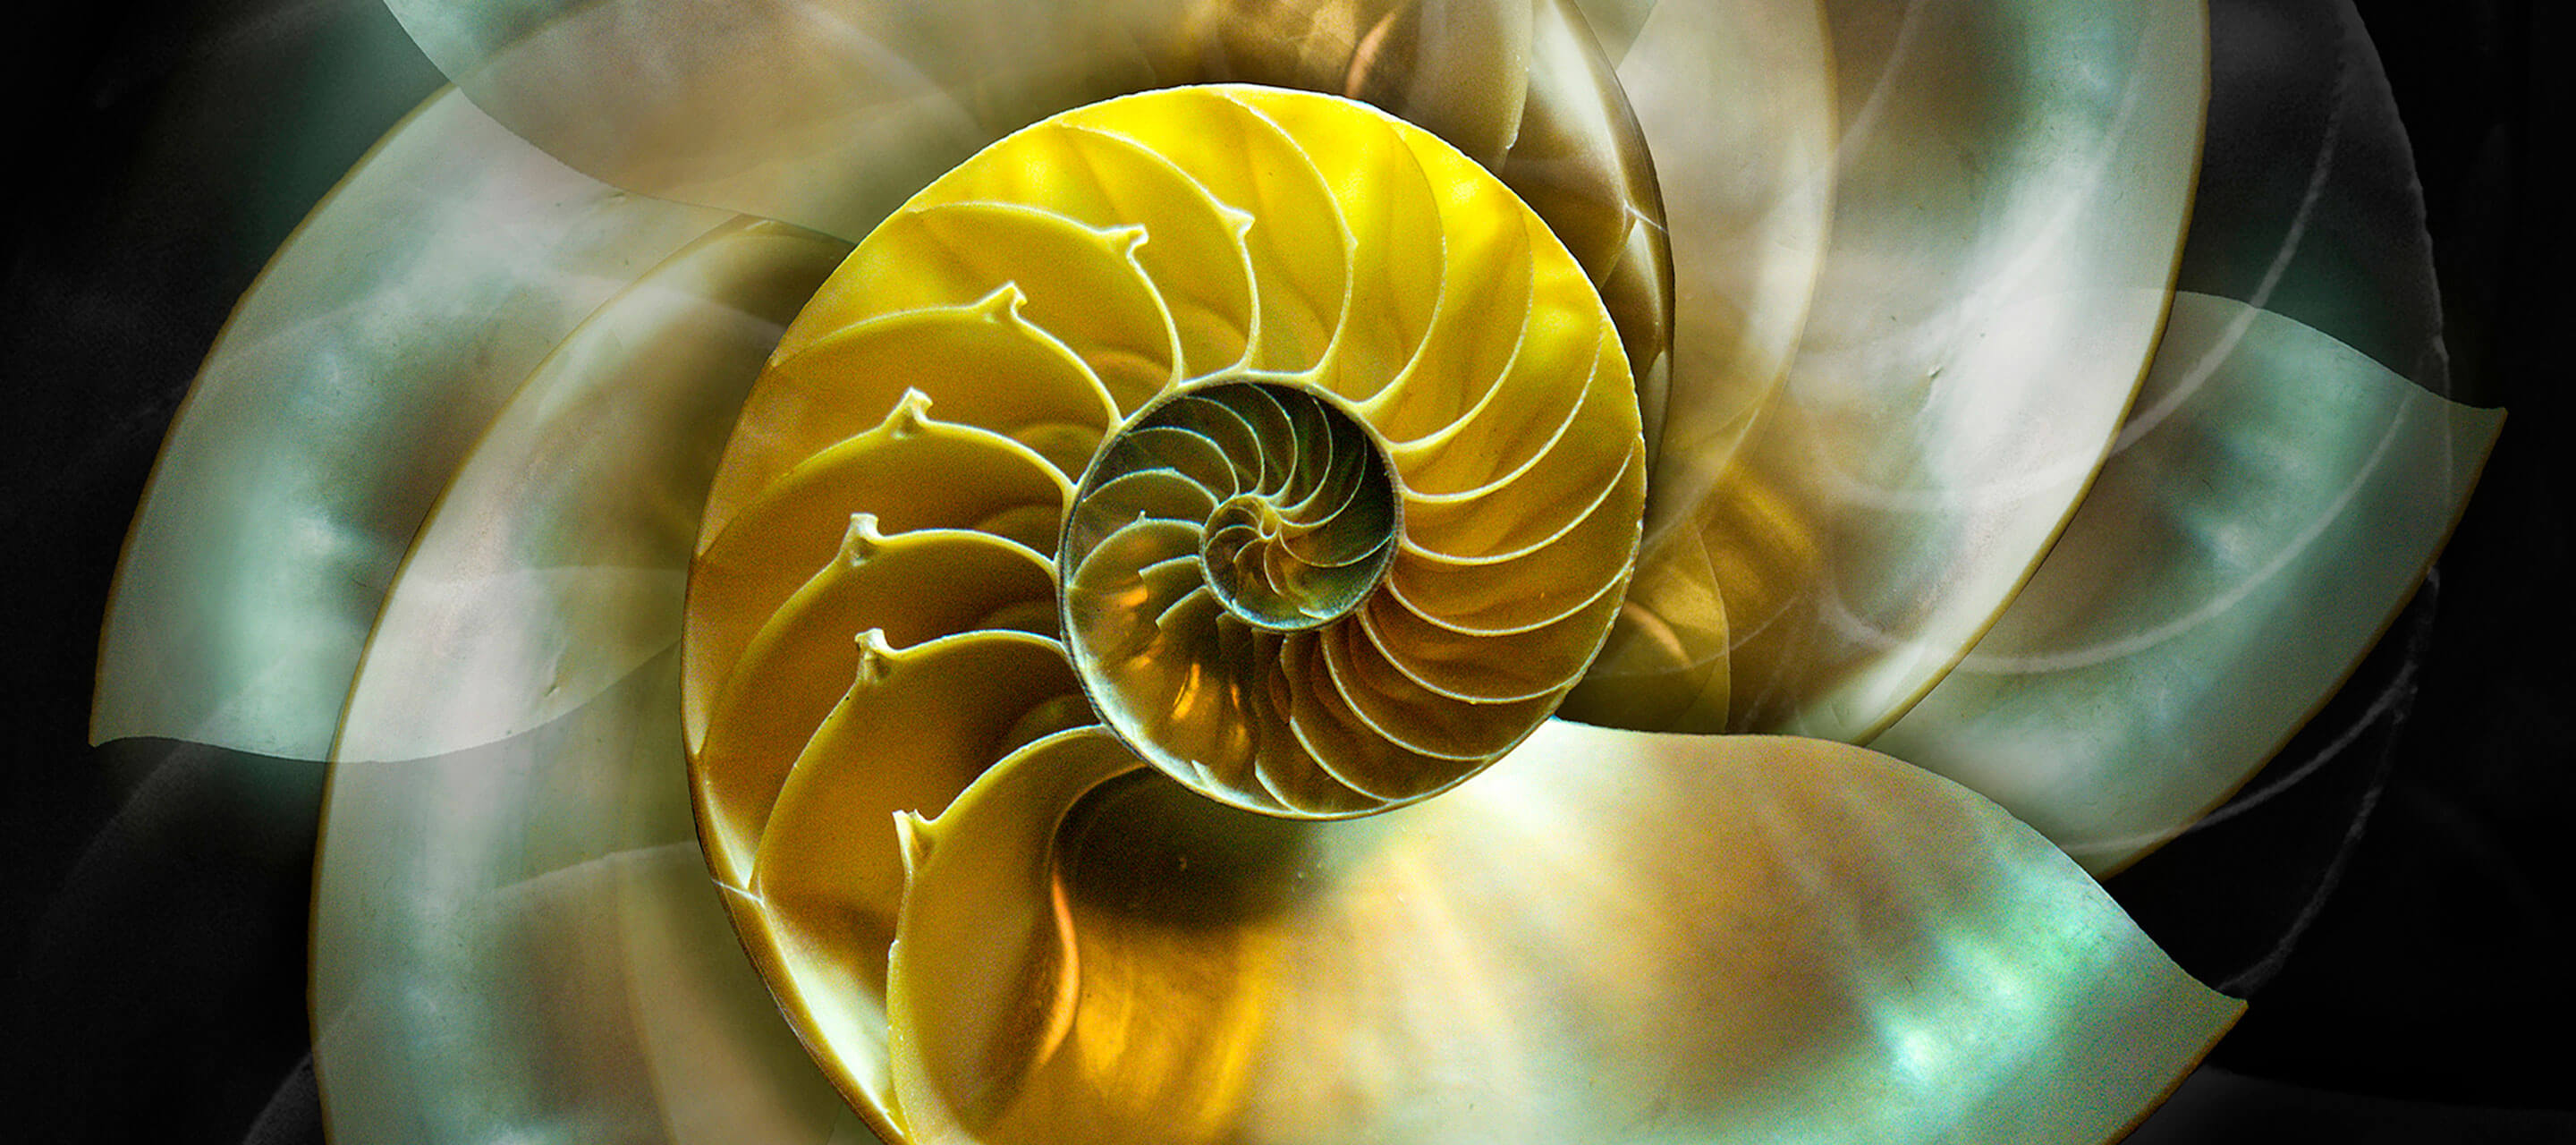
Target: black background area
{"x":2395,"y":902}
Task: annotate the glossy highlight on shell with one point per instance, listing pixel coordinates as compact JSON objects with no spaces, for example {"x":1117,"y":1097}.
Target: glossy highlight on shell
{"x":1094,"y":431}
{"x":1263,"y":439}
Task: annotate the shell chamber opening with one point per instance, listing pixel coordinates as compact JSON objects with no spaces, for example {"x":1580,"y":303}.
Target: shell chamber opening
{"x":1290,"y":498}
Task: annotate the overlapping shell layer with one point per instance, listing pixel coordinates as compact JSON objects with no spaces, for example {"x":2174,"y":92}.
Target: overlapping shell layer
{"x":1275,"y":439}
{"x":1314,"y":472}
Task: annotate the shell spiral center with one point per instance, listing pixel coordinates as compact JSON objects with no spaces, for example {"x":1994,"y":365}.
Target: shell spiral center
{"x":1283,"y":500}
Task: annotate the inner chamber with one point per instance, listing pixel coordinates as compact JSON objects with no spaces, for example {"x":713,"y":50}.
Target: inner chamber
{"x":1217,"y":525}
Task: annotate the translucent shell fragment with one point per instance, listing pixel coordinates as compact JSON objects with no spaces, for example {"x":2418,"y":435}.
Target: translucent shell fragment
{"x":1261,"y":426}
{"x":1984,"y":304}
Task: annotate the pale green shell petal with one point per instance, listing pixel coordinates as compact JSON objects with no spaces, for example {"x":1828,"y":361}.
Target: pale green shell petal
{"x":555,"y":561}
{"x":333,"y":411}
{"x":1607,"y":936}
{"x":2010,"y":194}
{"x":2309,"y":205}
{"x":2073,"y":711}
{"x":515,"y":941}
{"x":511,"y":932}
{"x":2258,"y":529}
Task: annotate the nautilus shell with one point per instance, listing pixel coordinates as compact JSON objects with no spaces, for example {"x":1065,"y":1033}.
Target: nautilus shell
{"x":1262,"y":427}
{"x":1281,"y":572}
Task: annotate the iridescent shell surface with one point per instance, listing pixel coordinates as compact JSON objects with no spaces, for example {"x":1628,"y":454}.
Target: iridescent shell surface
{"x":1798,"y":366}
{"x":1187,"y":413}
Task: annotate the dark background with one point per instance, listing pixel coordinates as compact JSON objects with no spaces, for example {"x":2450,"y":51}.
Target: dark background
{"x":2393,"y":895}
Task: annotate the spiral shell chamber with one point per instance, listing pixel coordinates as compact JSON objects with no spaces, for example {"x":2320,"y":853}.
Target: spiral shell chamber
{"x":1341,"y":538}
{"x":1261,"y":426}
{"x":1363,"y":560}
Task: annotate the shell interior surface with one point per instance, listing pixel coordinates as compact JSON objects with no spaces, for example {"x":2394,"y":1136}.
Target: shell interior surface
{"x":2012,"y":183}
{"x":331,"y":415}
{"x":1262,"y":426}
{"x":1608,"y":936}
{"x":547,"y":852}
{"x":1267,"y":441}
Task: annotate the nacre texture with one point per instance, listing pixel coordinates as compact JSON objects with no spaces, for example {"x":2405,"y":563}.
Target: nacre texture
{"x":1088,"y":545}
{"x":1832,"y":946}
{"x":1187,"y":413}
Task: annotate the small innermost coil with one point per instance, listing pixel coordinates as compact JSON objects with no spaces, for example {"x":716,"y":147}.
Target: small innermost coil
{"x":1302,"y":515}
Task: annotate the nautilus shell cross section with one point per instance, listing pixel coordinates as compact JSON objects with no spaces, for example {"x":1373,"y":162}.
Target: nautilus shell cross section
{"x":1261,"y":427}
